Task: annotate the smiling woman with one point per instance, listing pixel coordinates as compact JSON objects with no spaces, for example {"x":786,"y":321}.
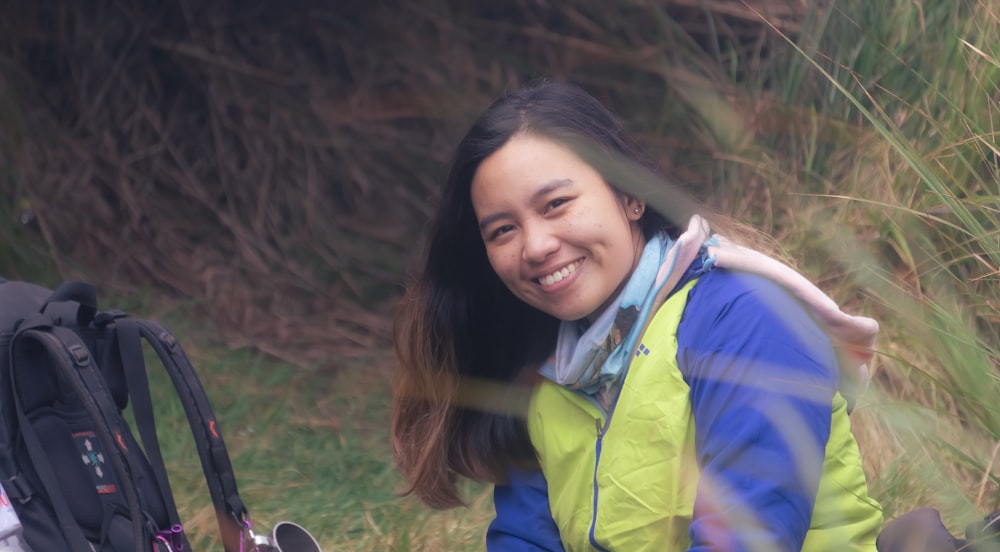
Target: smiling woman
{"x":556,"y":234}
{"x":628,"y":381}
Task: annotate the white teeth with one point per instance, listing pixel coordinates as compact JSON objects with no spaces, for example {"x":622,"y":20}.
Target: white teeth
{"x":558,"y":275}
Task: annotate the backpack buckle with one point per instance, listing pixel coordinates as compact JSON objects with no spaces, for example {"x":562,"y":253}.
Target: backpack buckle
{"x":172,"y":538}
{"x":18,"y":488}
{"x":80,"y":354}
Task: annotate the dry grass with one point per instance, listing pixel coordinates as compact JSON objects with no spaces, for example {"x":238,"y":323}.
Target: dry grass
{"x":275,"y":161}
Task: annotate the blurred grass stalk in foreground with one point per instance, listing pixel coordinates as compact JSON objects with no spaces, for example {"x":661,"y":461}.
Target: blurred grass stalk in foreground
{"x":870,"y":151}
{"x":867,"y":145}
{"x":915,"y":199}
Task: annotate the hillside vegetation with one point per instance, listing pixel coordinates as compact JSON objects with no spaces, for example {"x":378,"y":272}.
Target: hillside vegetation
{"x":268,"y":165}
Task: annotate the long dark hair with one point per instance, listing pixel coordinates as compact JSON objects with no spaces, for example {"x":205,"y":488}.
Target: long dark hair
{"x":466,"y":345}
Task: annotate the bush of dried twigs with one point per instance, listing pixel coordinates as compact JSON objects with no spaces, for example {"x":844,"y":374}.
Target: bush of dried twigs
{"x":276,"y":160}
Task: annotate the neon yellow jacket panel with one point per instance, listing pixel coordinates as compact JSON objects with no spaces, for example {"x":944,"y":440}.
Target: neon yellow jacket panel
{"x":630,"y":483}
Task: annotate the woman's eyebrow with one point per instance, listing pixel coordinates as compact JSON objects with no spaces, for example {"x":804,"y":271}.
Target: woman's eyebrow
{"x":490,"y":219}
{"x":541,"y":192}
{"x":549,"y":187}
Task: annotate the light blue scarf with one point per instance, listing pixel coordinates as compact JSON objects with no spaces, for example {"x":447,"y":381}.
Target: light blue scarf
{"x":592,"y":359}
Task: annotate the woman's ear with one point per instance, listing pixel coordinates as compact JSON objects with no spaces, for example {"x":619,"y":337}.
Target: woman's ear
{"x":634,"y":208}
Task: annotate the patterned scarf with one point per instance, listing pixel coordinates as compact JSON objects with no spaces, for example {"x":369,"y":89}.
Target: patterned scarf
{"x":594,"y":358}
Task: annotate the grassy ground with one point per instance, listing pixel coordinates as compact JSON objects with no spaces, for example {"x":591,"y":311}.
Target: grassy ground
{"x":307,"y":447}
{"x":868,"y":147}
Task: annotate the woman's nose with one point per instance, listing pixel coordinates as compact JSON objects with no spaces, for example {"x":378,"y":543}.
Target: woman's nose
{"x":539,"y":243}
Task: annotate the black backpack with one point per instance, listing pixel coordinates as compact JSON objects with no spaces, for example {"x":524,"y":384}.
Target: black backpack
{"x":69,"y":462}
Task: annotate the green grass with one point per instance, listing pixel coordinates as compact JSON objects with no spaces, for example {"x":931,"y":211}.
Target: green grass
{"x":307,"y":447}
{"x":910,"y":221}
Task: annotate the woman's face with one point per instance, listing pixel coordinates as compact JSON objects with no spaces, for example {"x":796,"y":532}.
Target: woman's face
{"x":558,"y":236}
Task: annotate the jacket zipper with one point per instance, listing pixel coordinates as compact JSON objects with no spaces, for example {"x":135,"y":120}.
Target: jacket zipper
{"x":601,"y":430}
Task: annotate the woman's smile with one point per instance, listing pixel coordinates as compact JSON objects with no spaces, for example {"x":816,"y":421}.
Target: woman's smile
{"x":563,"y":274}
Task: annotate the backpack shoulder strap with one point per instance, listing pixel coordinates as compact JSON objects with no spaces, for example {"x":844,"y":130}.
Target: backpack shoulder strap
{"x":134,"y":366}
{"x":37,"y":344}
{"x":23,"y":355}
{"x":219,"y":475}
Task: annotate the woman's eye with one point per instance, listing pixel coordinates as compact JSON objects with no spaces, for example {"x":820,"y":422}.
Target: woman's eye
{"x":556,"y":203}
{"x":501,"y":230}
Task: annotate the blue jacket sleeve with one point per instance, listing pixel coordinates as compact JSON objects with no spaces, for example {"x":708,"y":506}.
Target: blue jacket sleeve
{"x":762,"y":376}
{"x":523,"y":520}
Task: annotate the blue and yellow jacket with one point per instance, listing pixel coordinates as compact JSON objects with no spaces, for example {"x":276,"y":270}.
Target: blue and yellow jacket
{"x":728,"y":434}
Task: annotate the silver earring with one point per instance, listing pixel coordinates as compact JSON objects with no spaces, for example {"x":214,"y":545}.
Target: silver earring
{"x":636,"y":210}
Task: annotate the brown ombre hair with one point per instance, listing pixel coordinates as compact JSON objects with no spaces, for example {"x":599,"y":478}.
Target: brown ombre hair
{"x":468,"y":349}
